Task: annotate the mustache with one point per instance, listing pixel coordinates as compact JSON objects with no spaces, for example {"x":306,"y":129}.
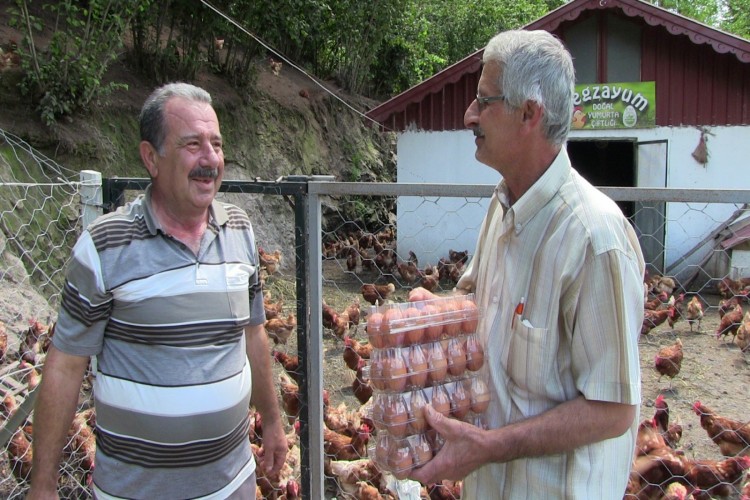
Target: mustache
{"x":478,"y":132}
{"x":204,"y":172}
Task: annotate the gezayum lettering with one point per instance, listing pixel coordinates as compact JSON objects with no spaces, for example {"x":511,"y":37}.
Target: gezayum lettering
{"x":610,"y":93}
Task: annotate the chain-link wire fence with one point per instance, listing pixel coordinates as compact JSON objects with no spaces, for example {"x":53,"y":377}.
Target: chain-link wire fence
{"x":349,"y":236}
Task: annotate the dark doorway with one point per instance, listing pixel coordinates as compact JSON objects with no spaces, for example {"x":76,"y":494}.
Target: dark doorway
{"x":606,"y":162}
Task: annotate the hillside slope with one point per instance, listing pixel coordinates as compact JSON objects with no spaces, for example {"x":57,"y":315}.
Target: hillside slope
{"x":283,"y":124}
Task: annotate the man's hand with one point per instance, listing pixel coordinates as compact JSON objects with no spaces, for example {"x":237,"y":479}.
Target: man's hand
{"x":275,"y":446}
{"x":460,"y":453}
{"x":419,"y":294}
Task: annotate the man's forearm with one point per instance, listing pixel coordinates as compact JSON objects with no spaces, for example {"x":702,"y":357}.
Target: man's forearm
{"x":568,"y":426}
{"x":53,"y":413}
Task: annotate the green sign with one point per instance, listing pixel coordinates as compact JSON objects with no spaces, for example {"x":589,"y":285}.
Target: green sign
{"x":614,"y":105}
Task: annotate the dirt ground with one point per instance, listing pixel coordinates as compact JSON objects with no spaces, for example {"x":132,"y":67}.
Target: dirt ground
{"x":714,"y":372}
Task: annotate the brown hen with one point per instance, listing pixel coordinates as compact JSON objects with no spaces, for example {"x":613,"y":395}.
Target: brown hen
{"x":353,"y":312}
{"x":360,"y":386}
{"x":732,"y":436}
{"x":668,"y":361}
{"x":716,"y":477}
{"x":377,"y":294}
{"x":279,"y":329}
{"x":291,"y":364}
{"x":730,"y":322}
{"x":743,"y":333}
{"x":652,"y":319}
{"x":290,"y":398}
{"x":671,"y":432}
{"x":20,"y":456}
{"x":351,"y":357}
{"x":694,"y":312}
{"x":269,"y":261}
{"x":342,"y":447}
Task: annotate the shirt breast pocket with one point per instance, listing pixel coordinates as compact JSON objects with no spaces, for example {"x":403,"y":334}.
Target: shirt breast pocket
{"x":532,"y":358}
{"x":238,"y":276}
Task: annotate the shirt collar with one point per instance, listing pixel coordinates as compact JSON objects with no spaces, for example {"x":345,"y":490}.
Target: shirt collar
{"x":539,"y":194}
{"x":217,"y":214}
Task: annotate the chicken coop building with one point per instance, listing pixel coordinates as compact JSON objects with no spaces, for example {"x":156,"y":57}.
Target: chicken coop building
{"x":662,"y":101}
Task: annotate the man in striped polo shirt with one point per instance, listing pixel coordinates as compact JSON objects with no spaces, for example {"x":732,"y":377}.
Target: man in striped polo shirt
{"x":165,"y":293}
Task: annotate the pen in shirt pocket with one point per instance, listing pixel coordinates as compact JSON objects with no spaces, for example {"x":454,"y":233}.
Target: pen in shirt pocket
{"x":518,"y":312}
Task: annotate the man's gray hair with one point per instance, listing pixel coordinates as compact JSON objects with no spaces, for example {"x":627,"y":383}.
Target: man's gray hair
{"x":536,"y":66}
{"x":152,"y":120}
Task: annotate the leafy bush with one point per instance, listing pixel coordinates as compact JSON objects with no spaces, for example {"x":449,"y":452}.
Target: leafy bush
{"x":67,"y":75}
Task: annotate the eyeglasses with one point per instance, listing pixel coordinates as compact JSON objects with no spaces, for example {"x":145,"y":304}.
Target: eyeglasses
{"x":483,"y":102}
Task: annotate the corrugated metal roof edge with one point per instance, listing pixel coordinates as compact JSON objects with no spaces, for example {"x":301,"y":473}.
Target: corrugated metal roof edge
{"x":674,"y":23}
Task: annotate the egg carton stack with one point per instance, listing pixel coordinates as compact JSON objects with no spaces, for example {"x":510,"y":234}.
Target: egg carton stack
{"x":425,"y":352}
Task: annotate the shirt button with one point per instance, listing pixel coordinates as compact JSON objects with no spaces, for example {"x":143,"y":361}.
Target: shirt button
{"x":495,"y":299}
{"x":518,"y":227}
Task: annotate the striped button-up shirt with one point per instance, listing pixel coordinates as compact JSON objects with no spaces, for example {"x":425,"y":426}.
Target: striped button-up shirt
{"x":566,"y":251}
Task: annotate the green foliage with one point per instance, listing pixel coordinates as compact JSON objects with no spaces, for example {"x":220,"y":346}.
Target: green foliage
{"x":168,"y":36}
{"x":374,"y":48}
{"x":704,"y":11}
{"x":737,"y":18}
{"x":732,"y":16}
{"x":429,"y":36}
{"x":67,"y":75}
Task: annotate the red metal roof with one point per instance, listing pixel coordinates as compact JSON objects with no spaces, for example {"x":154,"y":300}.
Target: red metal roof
{"x":439,"y":102}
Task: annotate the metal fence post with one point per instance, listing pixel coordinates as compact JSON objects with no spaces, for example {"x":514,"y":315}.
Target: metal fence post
{"x":313,"y":475}
{"x":91,"y":196}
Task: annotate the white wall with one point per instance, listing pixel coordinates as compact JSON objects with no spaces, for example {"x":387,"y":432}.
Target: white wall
{"x":431,"y":226}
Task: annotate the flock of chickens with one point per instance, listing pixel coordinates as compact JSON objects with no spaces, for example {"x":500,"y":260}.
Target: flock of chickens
{"x":661,"y":469}
{"x":375,"y":252}
{"x":21,"y":365}
{"x":348,"y":431}
{"x":661,"y":306}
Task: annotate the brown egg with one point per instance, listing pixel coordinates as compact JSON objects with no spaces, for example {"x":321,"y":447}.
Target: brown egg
{"x":415,"y":324}
{"x":377,"y":378}
{"x":401,"y":461}
{"x":456,"y":357}
{"x":382,"y":449}
{"x":422,"y":451}
{"x":474,"y":353}
{"x":480,"y":396}
{"x":470,"y":315}
{"x":460,"y":401}
{"x":378,"y":404}
{"x":452,"y":315}
{"x":440,"y":401}
{"x":393,"y":335}
{"x":374,"y":330}
{"x":418,"y":368}
{"x":436,"y":441}
{"x":433,"y":329}
{"x":417,"y":402}
{"x":436,"y":362}
{"x":395,"y":416}
{"x":394,"y":371}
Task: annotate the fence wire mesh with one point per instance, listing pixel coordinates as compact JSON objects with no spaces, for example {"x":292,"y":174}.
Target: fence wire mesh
{"x":380,"y":236}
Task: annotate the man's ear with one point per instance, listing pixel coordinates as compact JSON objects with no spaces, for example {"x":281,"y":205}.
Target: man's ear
{"x":532,"y":111}
{"x":149,"y":157}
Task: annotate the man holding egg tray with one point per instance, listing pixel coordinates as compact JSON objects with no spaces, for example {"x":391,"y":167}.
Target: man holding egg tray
{"x":557,"y":274}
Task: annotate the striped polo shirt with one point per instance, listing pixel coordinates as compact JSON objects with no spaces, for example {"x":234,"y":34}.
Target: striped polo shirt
{"x":569,"y":255}
{"x":173,"y":381}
